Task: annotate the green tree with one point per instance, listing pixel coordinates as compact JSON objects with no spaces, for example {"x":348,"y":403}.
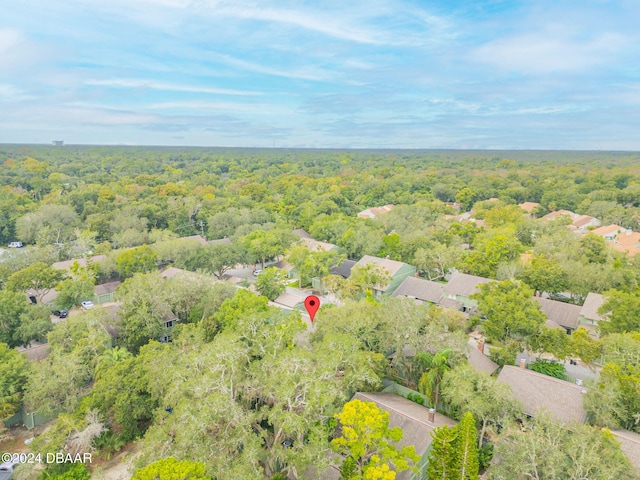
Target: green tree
{"x":171,"y":469}
{"x":442,"y":454}
{"x":544,"y":274}
{"x":585,"y":347}
{"x":12,"y":306}
{"x":510,"y":310}
{"x":594,"y":248}
{"x":271,"y":283}
{"x":14,"y":371}
{"x":622,"y":312}
{"x":489,"y":401}
{"x":136,"y":260}
{"x":541,"y":449}
{"x":466,"y":463}
{"x":366,"y":439}
{"x":435,"y":366}
{"x":216,"y":259}
{"x":71,"y":292}
{"x":551,"y":340}
{"x":35,"y":323}
{"x":489,"y":253}
{"x":38,"y":276}
{"x":437,"y":260}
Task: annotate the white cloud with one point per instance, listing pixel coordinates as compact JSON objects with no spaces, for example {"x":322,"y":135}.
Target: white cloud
{"x":548,"y":52}
{"x":154,"y":85}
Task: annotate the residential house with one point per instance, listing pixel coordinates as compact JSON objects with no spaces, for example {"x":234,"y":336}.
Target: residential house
{"x":397,"y":271}
{"x":317,"y":246}
{"x":344,"y":269}
{"x":528,"y":206}
{"x":630,"y":445}
{"x":106,"y":292}
{"x":558,"y":213}
{"x":66,"y":265}
{"x":417,"y":423}
{"x":478,"y":360}
{"x":196,"y":238}
{"x":628,"y":242}
{"x":538,"y":392}
{"x":584,"y":223}
{"x":420,"y":290}
{"x":169,"y":320}
{"x":374,"y":212}
{"x":301,"y":233}
{"x":609,"y":232}
{"x":566,"y":315}
{"x":589,"y":316}
{"x":219,"y":241}
{"x":461,"y":286}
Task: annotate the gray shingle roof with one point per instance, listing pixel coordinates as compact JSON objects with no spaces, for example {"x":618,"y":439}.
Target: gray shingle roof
{"x":630,"y":444}
{"x":481,"y":362}
{"x":344,"y":269}
{"x":106,"y":288}
{"x":464,"y":284}
{"x":563,"y":400}
{"x":564,"y":314}
{"x":591,"y":305}
{"x":421,"y":289}
{"x":411,"y":418}
{"x":390,"y":266}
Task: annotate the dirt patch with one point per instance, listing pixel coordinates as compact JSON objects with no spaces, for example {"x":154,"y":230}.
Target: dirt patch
{"x":116,"y":468}
{"x":12,"y":439}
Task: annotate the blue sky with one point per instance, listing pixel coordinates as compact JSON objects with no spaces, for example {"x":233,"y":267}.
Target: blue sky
{"x":559,"y":74}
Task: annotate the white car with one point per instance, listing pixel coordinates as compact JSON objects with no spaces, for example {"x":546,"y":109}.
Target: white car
{"x":87,"y":304}
{"x":16,"y":245}
{"x":257,"y":272}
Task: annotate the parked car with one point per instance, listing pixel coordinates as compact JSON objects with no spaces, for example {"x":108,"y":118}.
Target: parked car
{"x":6,"y":470}
{"x":87,"y":304}
{"x":258,"y":272}
{"x":16,"y":245}
{"x":61,"y":313}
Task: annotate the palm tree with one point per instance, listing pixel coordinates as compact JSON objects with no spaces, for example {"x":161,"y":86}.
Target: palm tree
{"x":435,"y":366}
{"x":108,"y":358}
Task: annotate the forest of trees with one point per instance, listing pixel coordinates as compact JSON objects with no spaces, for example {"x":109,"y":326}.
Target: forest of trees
{"x":244,"y":390}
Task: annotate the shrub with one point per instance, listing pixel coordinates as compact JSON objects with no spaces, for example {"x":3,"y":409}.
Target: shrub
{"x":549,"y":367}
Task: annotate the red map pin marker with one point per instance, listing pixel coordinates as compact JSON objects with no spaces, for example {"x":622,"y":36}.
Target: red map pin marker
{"x":312,"y":304}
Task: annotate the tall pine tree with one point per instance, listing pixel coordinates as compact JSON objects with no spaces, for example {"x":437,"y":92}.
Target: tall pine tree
{"x":466,"y":450}
{"x":442,"y":457}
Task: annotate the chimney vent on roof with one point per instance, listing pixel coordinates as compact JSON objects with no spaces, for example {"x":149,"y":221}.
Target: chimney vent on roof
{"x":431,"y":416}
{"x":481,"y":345}
{"x":523,"y":363}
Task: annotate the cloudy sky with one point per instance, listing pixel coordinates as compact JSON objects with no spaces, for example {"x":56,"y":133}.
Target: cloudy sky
{"x":559,"y":74}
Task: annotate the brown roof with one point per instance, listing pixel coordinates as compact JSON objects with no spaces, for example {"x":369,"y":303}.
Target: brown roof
{"x":464,"y":284}
{"x":628,"y":242}
{"x":563,"y":400}
{"x":411,"y":418}
{"x":196,"y":238}
{"x":301,"y":233}
{"x":36,"y":352}
{"x":582,"y":220}
{"x":373,"y":212}
{"x":564,"y":314}
{"x":316,"y":246}
{"x":81,"y":261}
{"x":223,"y":241}
{"x":591,"y":305}
{"x":172,"y":272}
{"x":480,"y":361}
{"x":607,"y":229}
{"x":528,"y":206}
{"x":390,"y":266}
{"x":557,"y":213}
{"x":630,"y":444}
{"x":106,"y":288}
{"x":421,"y":289}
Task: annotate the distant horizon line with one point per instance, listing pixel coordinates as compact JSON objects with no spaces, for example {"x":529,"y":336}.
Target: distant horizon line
{"x":459,"y":149}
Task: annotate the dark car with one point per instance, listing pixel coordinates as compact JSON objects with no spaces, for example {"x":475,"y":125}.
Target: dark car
{"x":61,"y":313}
